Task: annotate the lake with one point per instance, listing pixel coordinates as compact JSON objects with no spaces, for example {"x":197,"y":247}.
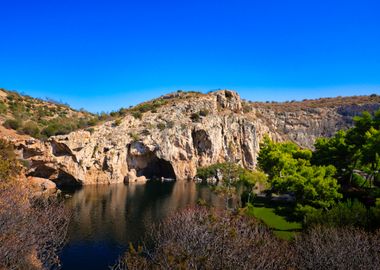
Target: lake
{"x":106,"y":218}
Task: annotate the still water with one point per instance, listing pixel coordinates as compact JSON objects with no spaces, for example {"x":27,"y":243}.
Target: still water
{"x":106,"y":218}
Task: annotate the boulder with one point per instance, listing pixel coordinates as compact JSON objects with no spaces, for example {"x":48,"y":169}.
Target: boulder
{"x":42,"y":185}
{"x":132,"y":177}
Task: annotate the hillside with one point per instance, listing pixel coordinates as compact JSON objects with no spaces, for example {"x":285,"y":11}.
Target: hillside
{"x":39,"y":118}
{"x":175,"y":134}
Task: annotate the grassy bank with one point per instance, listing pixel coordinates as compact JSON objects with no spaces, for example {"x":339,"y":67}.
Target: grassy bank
{"x":278,"y":217}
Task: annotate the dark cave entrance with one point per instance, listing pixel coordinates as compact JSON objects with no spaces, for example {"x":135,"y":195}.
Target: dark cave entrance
{"x":146,"y":163}
{"x":156,"y":169}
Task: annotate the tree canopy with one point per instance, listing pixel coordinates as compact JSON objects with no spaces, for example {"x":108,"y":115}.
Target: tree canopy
{"x":290,"y":171}
{"x":357,"y":148}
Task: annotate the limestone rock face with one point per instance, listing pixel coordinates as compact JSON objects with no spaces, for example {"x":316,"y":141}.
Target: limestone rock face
{"x":171,"y":142}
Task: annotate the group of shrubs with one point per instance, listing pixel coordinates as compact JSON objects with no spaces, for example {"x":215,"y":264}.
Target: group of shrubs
{"x":204,"y":238}
{"x":196,"y":117}
{"x":42,"y":119}
{"x":45,"y":129}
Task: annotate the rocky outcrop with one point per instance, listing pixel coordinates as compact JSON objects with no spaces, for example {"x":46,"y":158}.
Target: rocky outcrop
{"x":175,"y":139}
{"x":132,"y":177}
{"x":42,"y":185}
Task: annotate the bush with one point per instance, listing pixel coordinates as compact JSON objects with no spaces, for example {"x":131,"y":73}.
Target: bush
{"x":91,"y":130}
{"x":195,"y":117}
{"x":3,"y":107}
{"x":32,"y":229}
{"x":137,"y":114}
{"x":349,"y":213}
{"x":247,"y":108}
{"x":117,"y":122}
{"x":337,"y":248}
{"x":161,"y":126}
{"x":93,"y":121}
{"x":12,"y":124}
{"x":8,"y":163}
{"x":49,"y":131}
{"x":204,"y":112}
{"x":170,"y":124}
{"x":135,"y":137}
{"x":204,"y":239}
{"x":31,"y":128}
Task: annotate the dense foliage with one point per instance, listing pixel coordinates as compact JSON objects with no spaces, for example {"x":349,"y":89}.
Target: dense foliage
{"x":354,"y":150}
{"x":290,"y":171}
{"x":346,"y":164}
{"x":350,"y":213}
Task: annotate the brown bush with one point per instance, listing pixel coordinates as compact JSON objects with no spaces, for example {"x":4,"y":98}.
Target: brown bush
{"x":337,"y":248}
{"x":200,"y":239}
{"x":32,"y":229}
{"x":203,"y":239}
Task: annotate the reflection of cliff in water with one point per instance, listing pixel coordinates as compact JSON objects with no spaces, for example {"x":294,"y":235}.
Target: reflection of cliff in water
{"x":121,"y":213}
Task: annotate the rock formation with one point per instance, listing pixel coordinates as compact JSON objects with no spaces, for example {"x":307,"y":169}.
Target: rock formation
{"x":176,"y":138}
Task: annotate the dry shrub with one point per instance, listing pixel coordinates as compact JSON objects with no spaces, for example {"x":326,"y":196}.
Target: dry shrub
{"x":337,"y":248}
{"x":203,"y":239}
{"x":32,"y":229}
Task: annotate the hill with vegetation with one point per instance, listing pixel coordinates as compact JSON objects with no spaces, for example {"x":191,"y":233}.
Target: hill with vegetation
{"x":41,"y":118}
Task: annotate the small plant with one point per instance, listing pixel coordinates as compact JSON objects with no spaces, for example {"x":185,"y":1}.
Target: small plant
{"x":31,"y":128}
{"x":12,"y":124}
{"x":135,"y":137}
{"x":117,"y":122}
{"x":246,"y":108}
{"x":183,"y":126}
{"x":204,"y":112}
{"x":170,"y":124}
{"x":145,"y":132}
{"x":161,"y":126}
{"x":195,"y":117}
{"x":91,"y":130}
{"x":137,"y":114}
{"x":3,"y":107}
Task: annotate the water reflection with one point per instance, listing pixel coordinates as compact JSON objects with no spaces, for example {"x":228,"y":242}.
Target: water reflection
{"x":107,"y":217}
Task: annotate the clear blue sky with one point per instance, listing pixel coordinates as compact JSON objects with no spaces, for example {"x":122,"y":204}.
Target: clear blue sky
{"x":102,"y":55}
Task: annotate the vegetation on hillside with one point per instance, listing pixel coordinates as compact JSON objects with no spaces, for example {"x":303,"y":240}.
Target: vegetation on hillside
{"x":333,"y":102}
{"x":39,"y":118}
{"x":44,"y":118}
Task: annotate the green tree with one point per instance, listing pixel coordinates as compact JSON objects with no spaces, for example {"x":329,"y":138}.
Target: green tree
{"x":371,"y":153}
{"x":290,"y":171}
{"x":311,"y":185}
{"x":354,"y":149}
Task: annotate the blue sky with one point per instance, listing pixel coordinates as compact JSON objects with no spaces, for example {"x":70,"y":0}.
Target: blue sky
{"x":103,"y":55}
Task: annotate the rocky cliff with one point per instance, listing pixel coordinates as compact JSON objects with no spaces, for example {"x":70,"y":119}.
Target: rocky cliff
{"x":188,"y":131}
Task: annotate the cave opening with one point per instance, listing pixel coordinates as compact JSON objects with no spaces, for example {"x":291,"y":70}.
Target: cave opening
{"x":156,"y":169}
{"x":66,"y":179}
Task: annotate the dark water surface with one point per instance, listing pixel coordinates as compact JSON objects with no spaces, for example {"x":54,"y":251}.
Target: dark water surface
{"x":106,"y":218}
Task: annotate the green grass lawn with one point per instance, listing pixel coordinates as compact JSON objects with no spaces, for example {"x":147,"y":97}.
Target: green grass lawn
{"x":280,"y":226}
